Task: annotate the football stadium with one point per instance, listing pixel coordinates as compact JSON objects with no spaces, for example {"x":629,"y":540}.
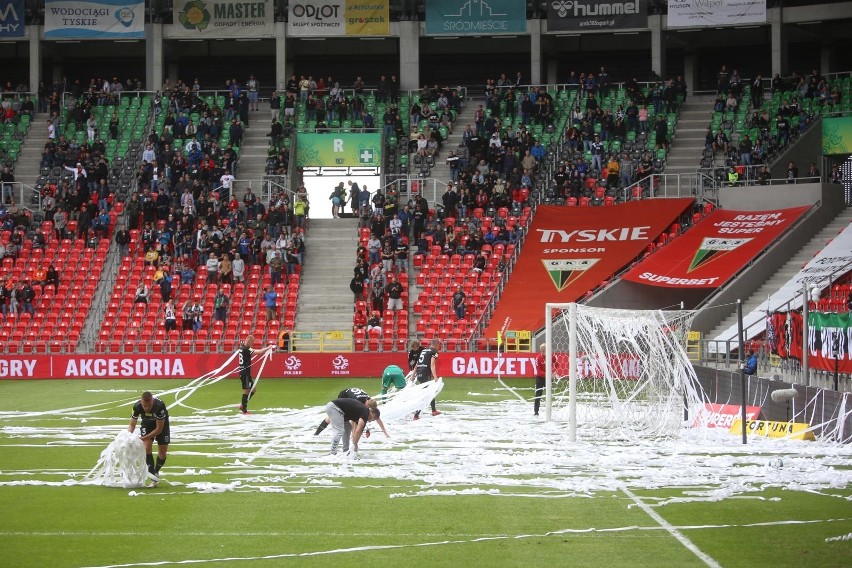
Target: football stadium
{"x":426,"y":282}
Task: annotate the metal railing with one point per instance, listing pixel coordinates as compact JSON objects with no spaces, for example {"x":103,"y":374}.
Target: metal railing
{"x":695,"y":184}
{"x":724,"y":355}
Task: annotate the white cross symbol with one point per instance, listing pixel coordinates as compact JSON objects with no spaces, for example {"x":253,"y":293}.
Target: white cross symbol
{"x":367,"y":156}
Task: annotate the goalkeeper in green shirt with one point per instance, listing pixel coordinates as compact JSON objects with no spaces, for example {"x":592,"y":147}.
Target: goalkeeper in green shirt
{"x":392,"y":375}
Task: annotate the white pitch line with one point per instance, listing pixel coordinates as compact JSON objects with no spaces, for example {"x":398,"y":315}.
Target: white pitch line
{"x":672,"y":530}
{"x":663,"y":526}
{"x":628,"y":528}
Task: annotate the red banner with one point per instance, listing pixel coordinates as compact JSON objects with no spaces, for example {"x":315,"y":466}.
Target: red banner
{"x":723,"y":415}
{"x":733,"y":237}
{"x":281,"y":365}
{"x":571,"y":250}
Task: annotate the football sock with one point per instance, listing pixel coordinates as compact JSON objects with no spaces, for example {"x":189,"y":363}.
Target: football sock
{"x":160,"y":462}
{"x":245,"y":402}
{"x":149,"y":459}
{"x":322,"y":426}
{"x":432,"y":404}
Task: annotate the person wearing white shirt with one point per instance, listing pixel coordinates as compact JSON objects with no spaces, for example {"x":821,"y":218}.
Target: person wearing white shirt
{"x":238,"y":267}
{"x":227,"y":181}
{"x":148,"y":154}
{"x":77,"y":171}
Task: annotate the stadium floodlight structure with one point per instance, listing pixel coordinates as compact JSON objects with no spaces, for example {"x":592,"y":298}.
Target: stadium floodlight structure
{"x":619,"y":373}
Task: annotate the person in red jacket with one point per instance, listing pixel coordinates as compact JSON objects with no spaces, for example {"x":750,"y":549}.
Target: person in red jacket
{"x":540,"y":377}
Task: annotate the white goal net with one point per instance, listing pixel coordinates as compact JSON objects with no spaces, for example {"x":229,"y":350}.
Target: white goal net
{"x":619,"y":373}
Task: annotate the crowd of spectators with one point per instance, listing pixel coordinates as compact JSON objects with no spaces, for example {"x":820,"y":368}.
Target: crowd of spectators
{"x":749,"y":130}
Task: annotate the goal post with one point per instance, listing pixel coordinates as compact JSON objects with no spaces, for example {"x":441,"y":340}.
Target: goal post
{"x":617,"y":371}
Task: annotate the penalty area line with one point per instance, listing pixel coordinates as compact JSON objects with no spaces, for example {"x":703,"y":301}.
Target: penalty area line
{"x":669,"y":528}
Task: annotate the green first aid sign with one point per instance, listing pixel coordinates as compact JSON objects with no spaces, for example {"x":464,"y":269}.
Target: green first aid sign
{"x":338,"y":150}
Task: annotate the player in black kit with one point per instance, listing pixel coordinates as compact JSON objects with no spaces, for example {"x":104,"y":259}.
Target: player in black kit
{"x":342,"y":413}
{"x":414,"y":354}
{"x":361,"y":396}
{"x":245,"y":353}
{"x":426,"y":370}
{"x":155,"y":426}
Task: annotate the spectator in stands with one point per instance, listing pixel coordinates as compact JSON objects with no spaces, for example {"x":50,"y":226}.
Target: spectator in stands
{"x":238,"y":267}
{"x":276,"y":266}
{"x":270,"y":301}
{"x":39,"y":277}
{"x":26,"y":294}
{"x":356,"y":285}
{"x":152,"y":257}
{"x":792,"y":172}
{"x":226,"y":275}
{"x":220,"y":305}
{"x":7,"y":293}
{"x":783,"y":127}
{"x":377,"y":295}
{"x":813,"y":174}
{"x":197,"y":315}
{"x":720,"y":142}
{"x":733,"y":176}
{"x":763,"y":176}
{"x":836,"y":175}
{"x":52,"y":277}
{"x":7,"y":178}
{"x":459,"y":302}
{"x":359,"y":321}
{"x":212,"y":265}
{"x":394,"y":291}
{"x":164,"y":282}
{"x":745,"y":149}
{"x":169,"y":316}
{"x":122,"y":239}
{"x":374,"y":324}
{"x":187,"y":271}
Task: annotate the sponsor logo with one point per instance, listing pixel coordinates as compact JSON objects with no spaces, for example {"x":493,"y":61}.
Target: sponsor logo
{"x":723,"y":415}
{"x":10,"y":368}
{"x":564,"y":272}
{"x":318,"y":13}
{"x":118,"y":367}
{"x":507,"y":366}
{"x":194,"y":15}
{"x":125,"y":16}
{"x":595,"y":235}
{"x":773,"y":429}
{"x":11,"y":22}
{"x":651,"y":277}
{"x":292,"y":366}
{"x":340,"y":365}
{"x":714,"y":248}
{"x":582,"y":9}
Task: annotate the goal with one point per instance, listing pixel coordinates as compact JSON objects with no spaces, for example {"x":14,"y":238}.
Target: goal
{"x":618,"y":373}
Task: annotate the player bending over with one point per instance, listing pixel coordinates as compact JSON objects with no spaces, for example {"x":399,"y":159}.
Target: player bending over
{"x":361,"y":396}
{"x":342,"y":413}
{"x":155,"y":426}
{"x":245,"y":353}
{"x":392,"y":376}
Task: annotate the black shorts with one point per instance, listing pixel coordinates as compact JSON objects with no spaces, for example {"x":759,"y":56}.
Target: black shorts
{"x":246,"y":381}
{"x":423,"y":378}
{"x":162,"y":438}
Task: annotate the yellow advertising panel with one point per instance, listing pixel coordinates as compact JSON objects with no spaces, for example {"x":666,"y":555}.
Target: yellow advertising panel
{"x":773,"y":429}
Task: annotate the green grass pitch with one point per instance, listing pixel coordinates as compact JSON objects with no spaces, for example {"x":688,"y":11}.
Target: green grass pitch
{"x":483,"y":485}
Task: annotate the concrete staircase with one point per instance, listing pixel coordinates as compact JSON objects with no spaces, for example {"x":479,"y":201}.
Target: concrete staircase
{"x":27,"y":167}
{"x":325,"y":301}
{"x":441,"y":171}
{"x":687,"y":148}
{"x":252,"y":163}
{"x":784,"y":273}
